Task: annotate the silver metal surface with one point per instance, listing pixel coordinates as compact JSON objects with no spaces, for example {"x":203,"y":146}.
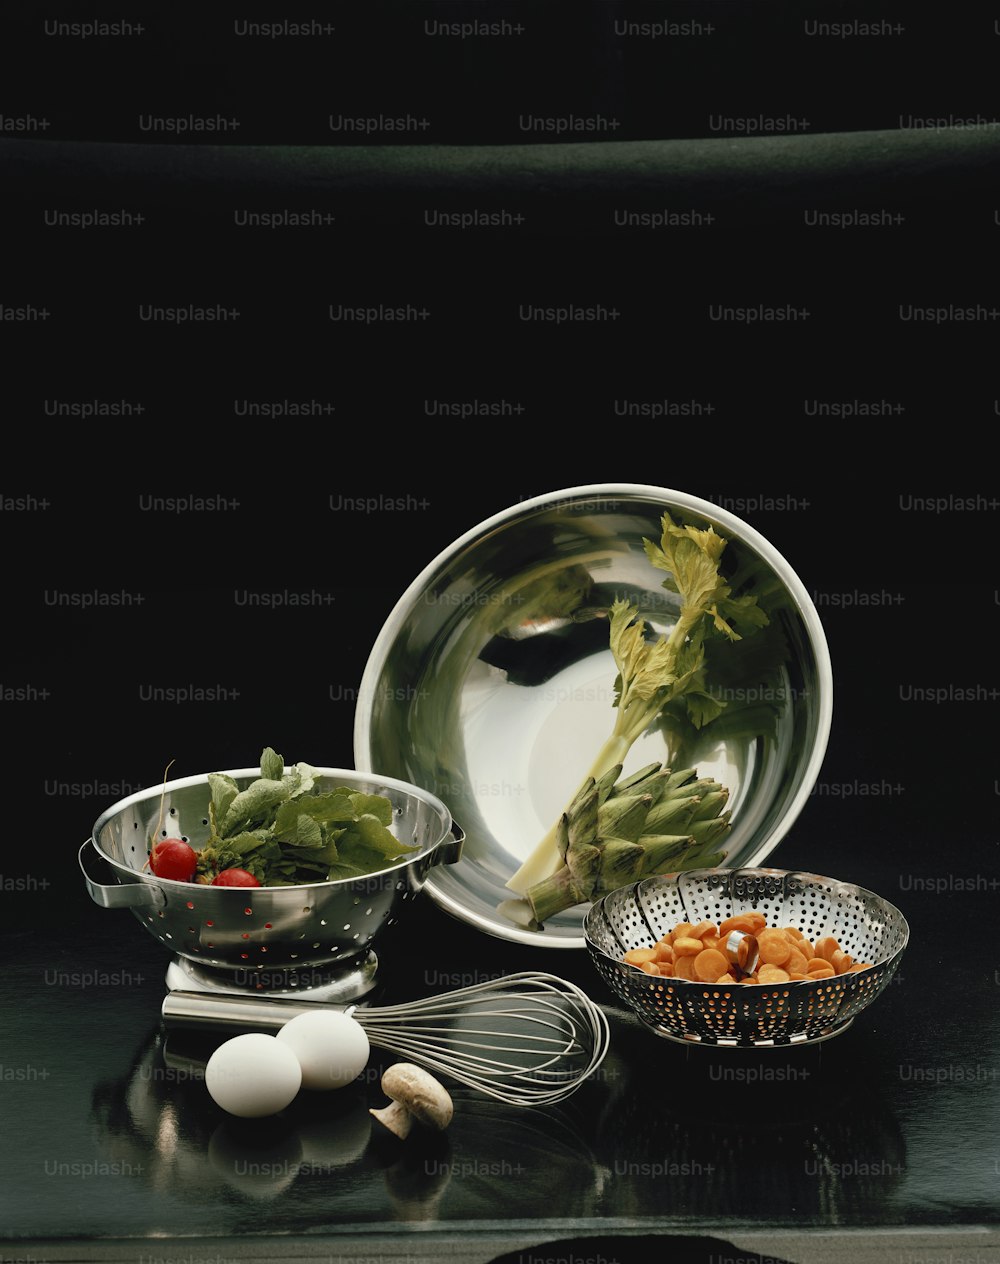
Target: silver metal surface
{"x":867,"y":927}
{"x":337,"y":984}
{"x":131,"y":895}
{"x":529,"y":1039}
{"x":741,"y":951}
{"x":264,"y":934}
{"x":491,"y":683}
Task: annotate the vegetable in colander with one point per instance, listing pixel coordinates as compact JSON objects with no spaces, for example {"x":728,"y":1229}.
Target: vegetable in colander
{"x":282,"y":834}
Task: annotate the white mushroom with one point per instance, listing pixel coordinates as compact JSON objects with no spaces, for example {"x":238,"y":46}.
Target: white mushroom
{"x":415,"y":1096}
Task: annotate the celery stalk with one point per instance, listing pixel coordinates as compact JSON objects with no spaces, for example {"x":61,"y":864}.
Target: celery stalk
{"x":652,"y":674}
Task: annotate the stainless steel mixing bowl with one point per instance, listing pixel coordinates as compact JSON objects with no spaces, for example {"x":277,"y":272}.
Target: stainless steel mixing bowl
{"x":320,"y":926}
{"x":491,"y":684}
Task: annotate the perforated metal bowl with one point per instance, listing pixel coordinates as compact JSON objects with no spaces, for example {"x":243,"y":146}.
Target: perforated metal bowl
{"x":271,"y":932}
{"x":867,"y":927}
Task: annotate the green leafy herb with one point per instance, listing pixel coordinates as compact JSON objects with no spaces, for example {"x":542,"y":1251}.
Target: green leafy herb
{"x":284,"y":835}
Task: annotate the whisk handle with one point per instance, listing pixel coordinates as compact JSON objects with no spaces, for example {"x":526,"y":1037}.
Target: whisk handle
{"x":224,"y":1012}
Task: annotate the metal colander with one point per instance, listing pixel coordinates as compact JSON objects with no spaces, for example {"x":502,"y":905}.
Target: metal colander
{"x":867,"y":927}
{"x":269,"y":932}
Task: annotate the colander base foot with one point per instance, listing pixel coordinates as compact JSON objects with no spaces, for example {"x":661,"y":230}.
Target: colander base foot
{"x":792,"y":1042}
{"x":343,"y":988}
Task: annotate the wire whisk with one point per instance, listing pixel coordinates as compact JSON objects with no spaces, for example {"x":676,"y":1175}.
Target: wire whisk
{"x":529,"y":1039}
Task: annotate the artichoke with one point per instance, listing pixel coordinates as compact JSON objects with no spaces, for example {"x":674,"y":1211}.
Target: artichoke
{"x":621,"y":829}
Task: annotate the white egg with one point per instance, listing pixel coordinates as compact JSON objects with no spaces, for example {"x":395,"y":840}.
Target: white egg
{"x":253,"y":1075}
{"x":332,"y":1048}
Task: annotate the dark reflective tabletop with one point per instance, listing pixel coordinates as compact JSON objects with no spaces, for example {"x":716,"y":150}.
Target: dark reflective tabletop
{"x":111,"y":1132}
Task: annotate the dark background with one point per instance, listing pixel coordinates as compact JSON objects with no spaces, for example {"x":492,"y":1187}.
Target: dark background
{"x":856,"y":440}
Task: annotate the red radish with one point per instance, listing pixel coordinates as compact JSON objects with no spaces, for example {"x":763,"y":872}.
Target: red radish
{"x":234,"y":878}
{"x":173,"y":858}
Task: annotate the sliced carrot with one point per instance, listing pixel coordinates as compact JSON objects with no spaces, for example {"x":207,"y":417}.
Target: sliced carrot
{"x":684,"y":968}
{"x":740,"y":921}
{"x":773,"y":947}
{"x":710,"y":964}
{"x":796,"y":963}
{"x":693,"y":951}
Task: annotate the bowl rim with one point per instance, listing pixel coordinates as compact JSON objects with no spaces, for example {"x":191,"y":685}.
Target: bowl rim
{"x":671,"y":498}
{"x":597,"y":909}
{"x":182,"y":783}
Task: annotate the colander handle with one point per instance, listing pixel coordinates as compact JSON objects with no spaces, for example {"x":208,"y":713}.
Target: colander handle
{"x":120,"y":894}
